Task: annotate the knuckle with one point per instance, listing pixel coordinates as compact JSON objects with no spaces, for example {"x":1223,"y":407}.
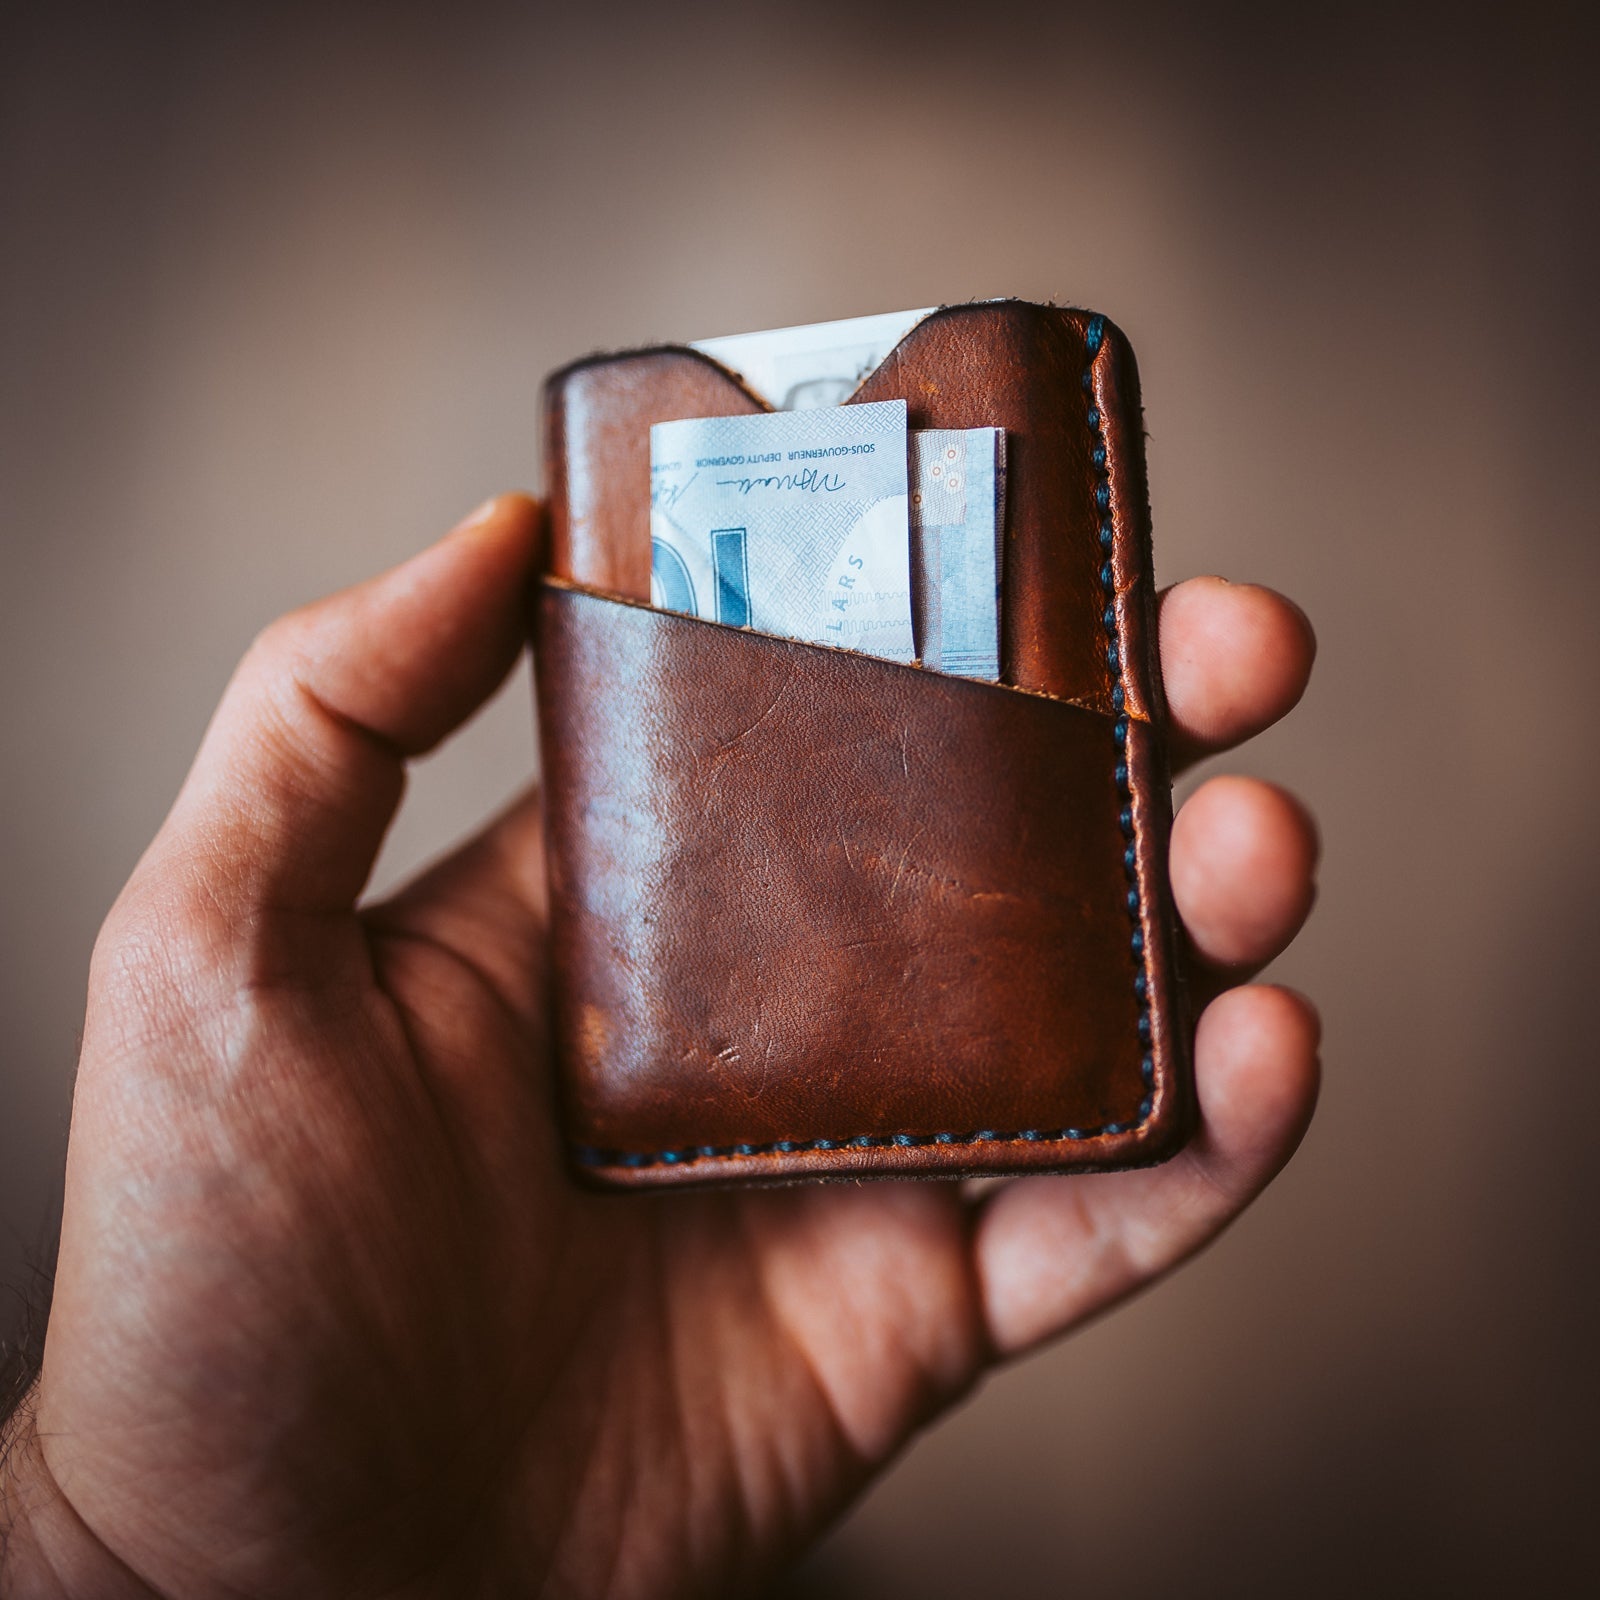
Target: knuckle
{"x":282,"y":643}
{"x":160,"y":920}
{"x":149,"y":959}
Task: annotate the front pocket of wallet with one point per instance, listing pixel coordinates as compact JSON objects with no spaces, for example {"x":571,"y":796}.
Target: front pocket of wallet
{"x":805,"y":897}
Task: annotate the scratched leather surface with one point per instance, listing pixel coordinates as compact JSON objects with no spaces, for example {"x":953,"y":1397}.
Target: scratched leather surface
{"x":817,"y":914}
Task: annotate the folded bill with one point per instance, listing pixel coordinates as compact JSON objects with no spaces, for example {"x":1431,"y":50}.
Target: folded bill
{"x":796,"y":523}
{"x":812,"y":523}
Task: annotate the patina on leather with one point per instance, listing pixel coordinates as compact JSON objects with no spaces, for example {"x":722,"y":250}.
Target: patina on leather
{"x":816,"y":914}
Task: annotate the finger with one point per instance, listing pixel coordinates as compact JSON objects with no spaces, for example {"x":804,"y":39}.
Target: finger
{"x":486,"y":904}
{"x":1242,"y":865}
{"x":1051,"y":1252}
{"x":303,"y":765}
{"x":1234,"y":658}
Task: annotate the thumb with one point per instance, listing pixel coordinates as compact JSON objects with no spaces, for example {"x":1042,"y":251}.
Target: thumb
{"x":302,"y":766}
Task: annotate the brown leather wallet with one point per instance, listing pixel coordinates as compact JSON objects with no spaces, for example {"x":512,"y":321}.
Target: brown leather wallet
{"x":815,"y":914}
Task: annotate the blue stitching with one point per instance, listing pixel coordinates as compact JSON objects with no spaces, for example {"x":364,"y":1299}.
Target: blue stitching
{"x":1120,"y":731}
{"x":590,"y":1157}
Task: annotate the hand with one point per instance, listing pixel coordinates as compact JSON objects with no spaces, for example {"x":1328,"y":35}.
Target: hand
{"x":329,"y":1317}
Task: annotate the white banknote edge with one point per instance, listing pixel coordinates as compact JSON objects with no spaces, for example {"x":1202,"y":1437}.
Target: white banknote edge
{"x":815,"y":364}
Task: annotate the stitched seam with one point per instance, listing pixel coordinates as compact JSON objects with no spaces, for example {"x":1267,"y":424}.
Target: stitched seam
{"x":588,"y":1156}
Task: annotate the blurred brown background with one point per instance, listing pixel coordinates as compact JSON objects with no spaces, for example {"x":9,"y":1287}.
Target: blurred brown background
{"x":277,"y":291}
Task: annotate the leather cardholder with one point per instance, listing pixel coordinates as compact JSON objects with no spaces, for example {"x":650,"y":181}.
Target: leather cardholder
{"x":816,"y":914}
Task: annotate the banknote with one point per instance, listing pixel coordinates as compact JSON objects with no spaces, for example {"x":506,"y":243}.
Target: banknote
{"x":791,"y":522}
{"x":817,"y":365}
{"x":957,"y":481}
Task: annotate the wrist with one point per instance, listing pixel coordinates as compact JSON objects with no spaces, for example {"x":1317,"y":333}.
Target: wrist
{"x":24,"y":1570}
{"x":46,"y":1551}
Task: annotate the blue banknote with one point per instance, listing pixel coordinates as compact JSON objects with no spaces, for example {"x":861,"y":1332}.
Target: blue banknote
{"x":791,"y":522}
{"x":957,"y":478}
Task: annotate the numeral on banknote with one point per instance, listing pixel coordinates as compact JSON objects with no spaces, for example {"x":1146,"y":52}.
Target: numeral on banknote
{"x":671,"y":587}
{"x":732,"y":567}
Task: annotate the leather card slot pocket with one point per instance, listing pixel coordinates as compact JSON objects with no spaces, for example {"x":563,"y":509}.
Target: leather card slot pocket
{"x":817,"y":914}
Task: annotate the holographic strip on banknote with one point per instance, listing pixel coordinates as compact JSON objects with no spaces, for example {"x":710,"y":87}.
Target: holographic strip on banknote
{"x":957,"y":478}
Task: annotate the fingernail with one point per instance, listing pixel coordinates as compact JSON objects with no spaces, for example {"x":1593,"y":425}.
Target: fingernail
{"x":482,"y":514}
